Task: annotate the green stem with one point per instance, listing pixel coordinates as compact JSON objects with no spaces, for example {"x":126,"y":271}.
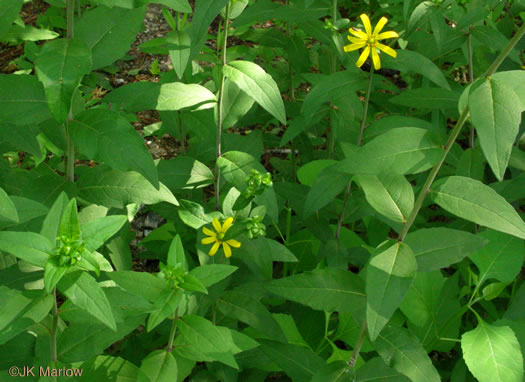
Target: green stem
{"x":53,"y":333}
{"x":172,"y":335}
{"x":359,"y":141}
{"x":471,"y":80}
{"x":70,"y":154}
{"x":453,"y":136}
{"x":220,"y":102}
{"x":357,"y":347}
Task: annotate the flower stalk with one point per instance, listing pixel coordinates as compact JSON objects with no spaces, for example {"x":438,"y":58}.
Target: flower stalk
{"x":70,"y":149}
{"x":220,"y":101}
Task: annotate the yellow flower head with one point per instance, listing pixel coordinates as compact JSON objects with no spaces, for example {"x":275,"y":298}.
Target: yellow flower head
{"x":217,"y":238}
{"x":370,"y":41}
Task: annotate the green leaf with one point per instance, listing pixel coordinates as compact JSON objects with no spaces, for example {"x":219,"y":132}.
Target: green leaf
{"x":492,"y":353}
{"x":96,"y":232}
{"x":311,"y":170}
{"x":177,"y":5}
{"x":329,"y":289}
{"x":22,"y":100}
{"x":184,"y":172}
{"x":9,"y":10}
{"x":165,"y":306}
{"x":60,"y":66}
{"x":28,"y":246}
{"x":52,"y":220}
{"x":135,"y":97}
{"x":423,"y":296}
{"x":7,"y":208}
{"x":193,"y":215}
{"x":158,"y":366}
{"x":109,"y":32}
{"x":254,"y":81}
{"x":52,"y":274}
{"x":141,"y":284}
{"x":84,"y":291}
{"x":403,"y":352}
{"x":330,"y":183}
{"x":388,"y":277}
{"x":114,"y":188}
{"x":501,"y":259}
{"x":177,"y":96}
{"x":331,"y":87}
{"x":246,"y":309}
{"x":412,"y":61}
{"x":205,"y":12}
{"x":69,"y":225}
{"x":21,"y":310}
{"x":176,"y":253}
{"x":427,"y":98}
{"x":235,"y":104}
{"x":496,"y":113}
{"x":264,"y":10}
{"x":298,"y":362}
{"x":200,"y":340}
{"x":514,"y":79}
{"x":377,"y":370}
{"x":212,"y":273}
{"x":433,"y":253}
{"x":108,"y":137}
{"x":404,"y":150}
{"x":391,"y":195}
{"x":179,"y":50}
{"x":478,"y":203}
{"x":104,"y":368}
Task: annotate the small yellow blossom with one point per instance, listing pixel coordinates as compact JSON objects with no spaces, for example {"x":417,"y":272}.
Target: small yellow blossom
{"x":217,"y":238}
{"x":370,"y":41}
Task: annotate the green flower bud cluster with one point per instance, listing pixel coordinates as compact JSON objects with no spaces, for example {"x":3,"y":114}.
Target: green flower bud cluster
{"x":68,"y":250}
{"x":255,"y":227}
{"x":173,"y":274}
{"x":257,"y":183}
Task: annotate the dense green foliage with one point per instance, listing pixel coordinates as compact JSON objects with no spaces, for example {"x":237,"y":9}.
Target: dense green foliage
{"x":325,"y":217}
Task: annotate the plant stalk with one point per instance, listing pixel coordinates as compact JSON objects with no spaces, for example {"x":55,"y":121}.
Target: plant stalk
{"x":359,"y":141}
{"x":219,"y":105}
{"x":357,"y":347}
{"x":172,"y":335}
{"x":53,"y":333}
{"x":453,"y":136}
{"x":70,"y":153}
{"x":471,"y":79}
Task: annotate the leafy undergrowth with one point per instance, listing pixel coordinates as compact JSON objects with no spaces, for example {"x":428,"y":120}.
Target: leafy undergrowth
{"x":258,"y":190}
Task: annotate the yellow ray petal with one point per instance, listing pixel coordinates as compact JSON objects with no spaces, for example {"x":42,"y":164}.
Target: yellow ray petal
{"x":352,"y":47}
{"x":227,"y":224}
{"x":214,"y":249}
{"x":208,"y":232}
{"x":388,"y":50}
{"x":358,"y":33}
{"x":227,"y":250}
{"x":366,"y":24}
{"x":356,"y":40}
{"x":363,"y":57}
{"x":234,"y":243}
{"x":376,"y":60}
{"x":216,"y":224}
{"x":208,"y":240}
{"x":380,"y":25}
{"x":389,"y":34}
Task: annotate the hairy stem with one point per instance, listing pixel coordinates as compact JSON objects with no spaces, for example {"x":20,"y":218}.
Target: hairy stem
{"x":357,"y":347}
{"x":53,"y":333}
{"x":219,"y":105}
{"x":359,"y":141}
{"x":453,"y":136}
{"x":70,"y":153}
{"x":172,"y":335}
{"x":471,"y":80}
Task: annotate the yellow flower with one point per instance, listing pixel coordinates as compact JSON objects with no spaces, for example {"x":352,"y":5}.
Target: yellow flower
{"x":218,"y":237}
{"x":370,"y":41}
